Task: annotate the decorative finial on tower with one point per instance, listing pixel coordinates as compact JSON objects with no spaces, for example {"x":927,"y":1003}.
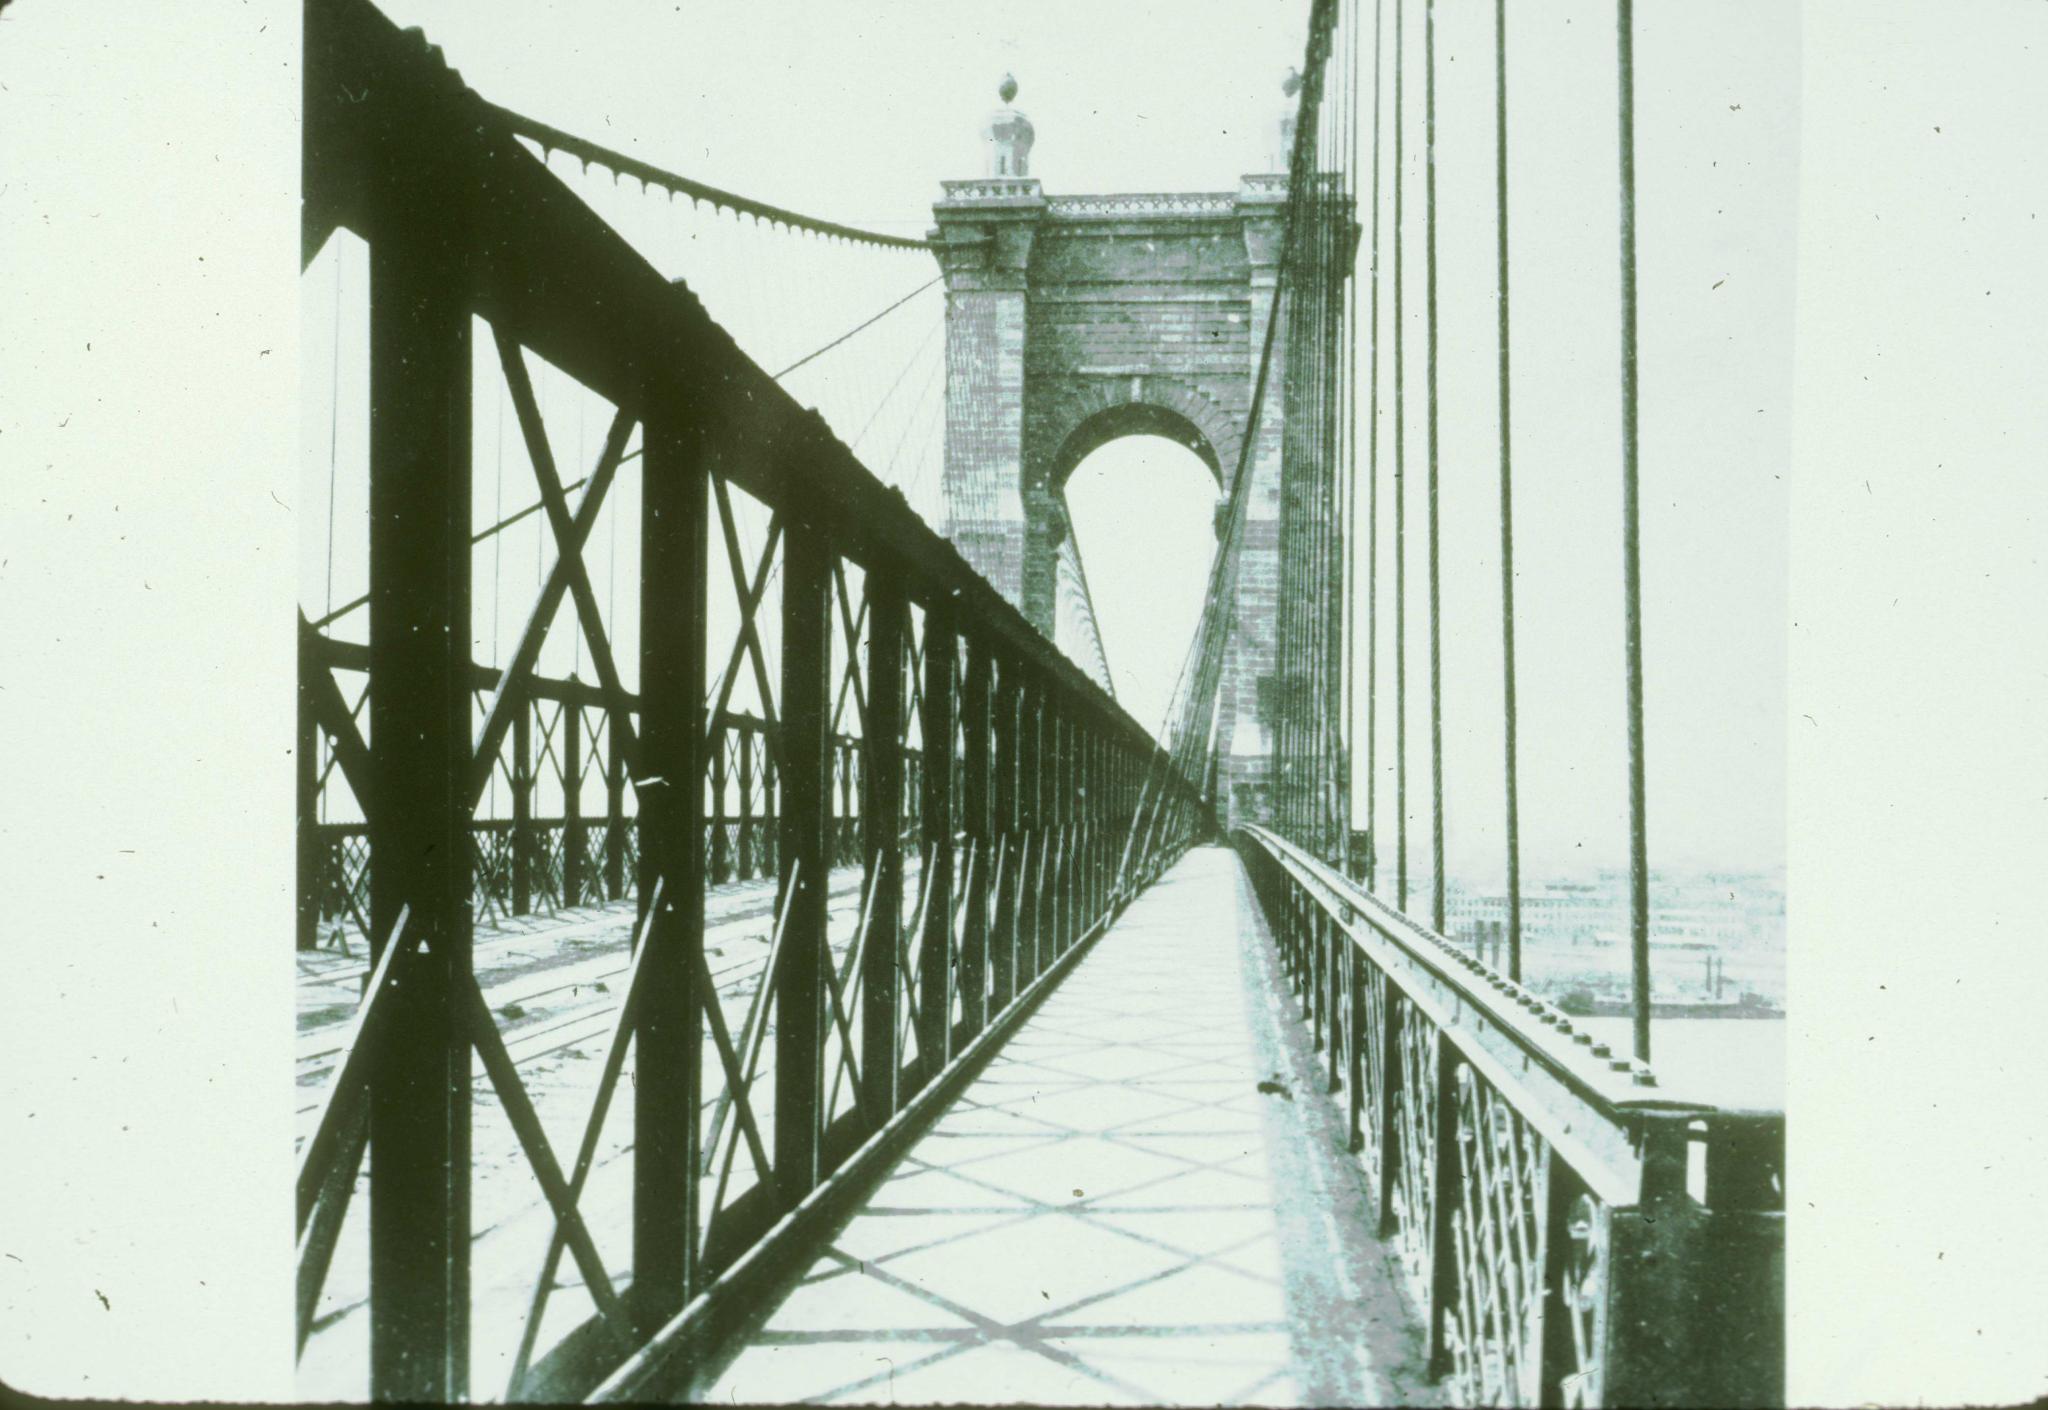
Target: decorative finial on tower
{"x":1283,"y":150}
{"x":1009,"y":135}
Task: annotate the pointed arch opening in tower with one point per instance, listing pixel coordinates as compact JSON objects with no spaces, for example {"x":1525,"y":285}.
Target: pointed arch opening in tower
{"x":1141,"y":509}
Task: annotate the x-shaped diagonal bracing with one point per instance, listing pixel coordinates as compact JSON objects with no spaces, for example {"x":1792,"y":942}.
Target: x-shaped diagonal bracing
{"x":569,"y":575}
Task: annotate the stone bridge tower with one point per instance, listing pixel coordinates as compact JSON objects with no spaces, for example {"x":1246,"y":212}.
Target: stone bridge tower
{"x":1074,"y":320}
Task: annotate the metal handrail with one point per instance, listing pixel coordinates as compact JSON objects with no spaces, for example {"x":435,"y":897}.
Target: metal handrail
{"x":1528,"y":1178}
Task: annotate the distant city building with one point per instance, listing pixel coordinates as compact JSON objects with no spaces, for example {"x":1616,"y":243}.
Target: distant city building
{"x":1714,"y":935}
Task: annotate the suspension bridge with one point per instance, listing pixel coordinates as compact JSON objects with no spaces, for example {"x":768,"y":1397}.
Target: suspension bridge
{"x":768,"y":962}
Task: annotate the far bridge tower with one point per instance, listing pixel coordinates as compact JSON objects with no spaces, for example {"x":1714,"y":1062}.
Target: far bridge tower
{"x":1072,"y":321}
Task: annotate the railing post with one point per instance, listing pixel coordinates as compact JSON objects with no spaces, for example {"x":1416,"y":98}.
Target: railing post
{"x":1689,"y":1286}
{"x":1342,"y":1035}
{"x":615,"y":807}
{"x":1446,"y":1174}
{"x":572,"y":801}
{"x":977,"y":727}
{"x":1558,"y":1348}
{"x":935,"y":816}
{"x":669,"y":1033}
{"x":1361,"y":1034}
{"x":522,"y":804}
{"x":1002,"y":945}
{"x":881,"y":808}
{"x":419,"y":832}
{"x":1312,"y":971}
{"x":1387,"y":1119}
{"x":805,"y":806}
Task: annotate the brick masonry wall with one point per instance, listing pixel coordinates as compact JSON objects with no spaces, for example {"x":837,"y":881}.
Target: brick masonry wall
{"x":1154,"y":324}
{"x":983,"y":475}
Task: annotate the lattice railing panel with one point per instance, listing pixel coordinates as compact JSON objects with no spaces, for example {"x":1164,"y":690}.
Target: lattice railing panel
{"x":1415,"y":1150}
{"x":1496,"y":1324}
{"x":1539,"y":1194}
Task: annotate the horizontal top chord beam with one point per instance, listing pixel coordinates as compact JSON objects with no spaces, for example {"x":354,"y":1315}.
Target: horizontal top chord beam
{"x":387,"y":120}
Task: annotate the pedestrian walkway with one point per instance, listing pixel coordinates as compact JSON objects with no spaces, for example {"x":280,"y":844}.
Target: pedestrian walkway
{"x":1115,"y":1212}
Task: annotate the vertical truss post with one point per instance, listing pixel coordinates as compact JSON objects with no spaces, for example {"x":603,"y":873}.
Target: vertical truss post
{"x":1086,"y":833}
{"x":976,"y":728}
{"x":1002,"y":940}
{"x":805,"y":807}
{"x":1031,"y":826}
{"x":935,"y":815}
{"x":615,"y":807}
{"x":669,"y":1031}
{"x":1104,"y":806}
{"x":881,"y":810}
{"x":745,"y":737}
{"x":1081,"y":836}
{"x":721,"y":848}
{"x":419,"y":831}
{"x":572,"y":803}
{"x":768,"y":832}
{"x":306,"y":776}
{"x":1069,"y":832}
{"x":842,"y":778}
{"x":1120,"y":813}
{"x":522,"y":804}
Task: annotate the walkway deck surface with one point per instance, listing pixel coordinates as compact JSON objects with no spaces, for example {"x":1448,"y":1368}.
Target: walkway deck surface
{"x":1114,"y":1212}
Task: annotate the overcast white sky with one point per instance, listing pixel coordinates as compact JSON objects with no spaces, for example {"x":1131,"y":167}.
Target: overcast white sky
{"x":856,"y":113}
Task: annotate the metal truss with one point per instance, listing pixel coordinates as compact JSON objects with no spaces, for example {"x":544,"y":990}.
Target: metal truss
{"x":907,"y":713}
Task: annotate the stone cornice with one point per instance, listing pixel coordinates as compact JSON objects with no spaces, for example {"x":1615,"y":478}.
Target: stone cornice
{"x":1166,"y":203}
{"x":1000,"y":192}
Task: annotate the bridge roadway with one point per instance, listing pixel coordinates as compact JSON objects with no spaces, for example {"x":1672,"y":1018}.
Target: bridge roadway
{"x":1142,"y":1199}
